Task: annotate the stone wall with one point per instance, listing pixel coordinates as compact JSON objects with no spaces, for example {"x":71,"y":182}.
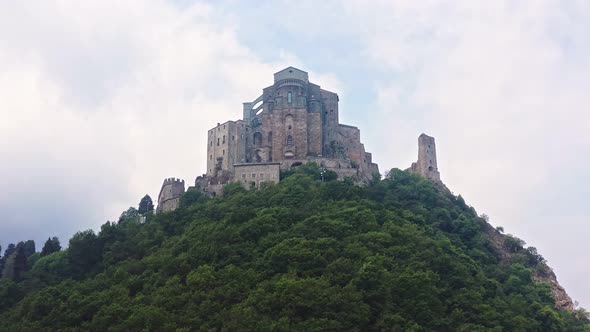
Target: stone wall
{"x":256,"y":175}
{"x":226,"y":146}
{"x":169,"y":197}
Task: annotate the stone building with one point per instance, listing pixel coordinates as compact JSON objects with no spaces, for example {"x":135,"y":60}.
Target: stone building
{"x":426,"y":165}
{"x":294,"y":121}
{"x":169,"y":197}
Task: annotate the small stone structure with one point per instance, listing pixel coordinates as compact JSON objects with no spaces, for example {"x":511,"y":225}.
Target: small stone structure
{"x":169,"y":197}
{"x":426,"y":165}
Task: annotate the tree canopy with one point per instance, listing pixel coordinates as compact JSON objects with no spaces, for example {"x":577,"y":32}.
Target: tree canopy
{"x":398,"y":255}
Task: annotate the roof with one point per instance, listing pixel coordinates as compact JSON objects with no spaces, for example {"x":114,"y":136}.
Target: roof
{"x":292,"y":73}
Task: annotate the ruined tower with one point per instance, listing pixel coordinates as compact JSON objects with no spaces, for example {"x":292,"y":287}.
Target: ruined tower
{"x":169,"y":196}
{"x":426,"y":165}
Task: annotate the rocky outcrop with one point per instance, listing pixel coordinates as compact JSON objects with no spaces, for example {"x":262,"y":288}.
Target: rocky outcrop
{"x":541,"y":272}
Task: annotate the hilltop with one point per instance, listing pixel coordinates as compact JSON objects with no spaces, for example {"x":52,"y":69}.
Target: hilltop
{"x":309,"y":253}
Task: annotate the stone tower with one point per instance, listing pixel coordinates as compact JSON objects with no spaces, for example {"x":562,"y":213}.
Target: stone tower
{"x":426,"y":165}
{"x":169,"y":196}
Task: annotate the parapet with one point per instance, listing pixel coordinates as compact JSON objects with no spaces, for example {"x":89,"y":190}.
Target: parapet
{"x":171,"y":181}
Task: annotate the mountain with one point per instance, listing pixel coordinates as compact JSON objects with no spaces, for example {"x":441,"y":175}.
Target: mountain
{"x":401,"y":254}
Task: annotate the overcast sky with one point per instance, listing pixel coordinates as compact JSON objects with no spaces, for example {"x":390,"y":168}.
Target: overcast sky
{"x":101,"y":100}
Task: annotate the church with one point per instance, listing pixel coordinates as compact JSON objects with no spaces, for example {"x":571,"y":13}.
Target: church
{"x":294,"y":121}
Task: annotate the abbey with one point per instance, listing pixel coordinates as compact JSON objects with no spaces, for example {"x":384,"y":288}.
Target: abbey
{"x":293,"y":122}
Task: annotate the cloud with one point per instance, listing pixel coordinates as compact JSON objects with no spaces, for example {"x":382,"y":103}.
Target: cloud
{"x":502,"y":87}
{"x":101,"y":100}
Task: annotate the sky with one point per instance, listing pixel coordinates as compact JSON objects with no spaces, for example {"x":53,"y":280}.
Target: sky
{"x":100,"y":100}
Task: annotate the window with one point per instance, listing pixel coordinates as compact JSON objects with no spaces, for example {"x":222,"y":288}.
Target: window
{"x":262,"y":175}
{"x":289,"y":140}
{"x":217,"y":141}
{"x":210,"y":157}
{"x":223,"y":139}
{"x":211,"y":143}
{"x":253,"y":176}
{"x":270,"y":137}
{"x":223,"y":126}
{"x":290,"y":127}
{"x":233,"y":138}
{"x":224,"y":152}
{"x":257,"y":139}
{"x":289,"y":97}
{"x":243,"y":176}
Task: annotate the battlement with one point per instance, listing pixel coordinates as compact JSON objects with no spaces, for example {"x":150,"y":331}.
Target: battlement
{"x":171,"y":181}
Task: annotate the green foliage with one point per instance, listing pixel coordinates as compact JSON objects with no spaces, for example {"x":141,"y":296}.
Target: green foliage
{"x":145,"y":205}
{"x":191,"y":197}
{"x":397,"y":255}
{"x":51,"y":245}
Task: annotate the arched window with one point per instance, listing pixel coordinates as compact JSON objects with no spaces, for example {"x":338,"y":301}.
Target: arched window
{"x":289,"y":97}
{"x":289,"y":140}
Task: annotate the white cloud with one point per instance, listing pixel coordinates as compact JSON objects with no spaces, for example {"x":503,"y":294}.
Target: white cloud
{"x":503,"y":87}
{"x":101,"y":100}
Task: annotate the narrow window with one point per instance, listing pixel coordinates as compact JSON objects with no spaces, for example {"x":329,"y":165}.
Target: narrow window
{"x":270,"y":137}
{"x":233,"y":138}
{"x":289,"y":97}
{"x":289,"y":140}
{"x":224,"y":152}
{"x":223,"y":139}
{"x":210,"y":157}
{"x":217,"y":141}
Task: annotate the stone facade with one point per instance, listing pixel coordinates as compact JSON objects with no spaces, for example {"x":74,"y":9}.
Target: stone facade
{"x":293,"y":122}
{"x":426,"y":165}
{"x":256,"y":175}
{"x":169,"y":196}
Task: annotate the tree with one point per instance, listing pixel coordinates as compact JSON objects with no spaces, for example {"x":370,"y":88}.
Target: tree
{"x":146,"y":205}
{"x":4,"y":260}
{"x":20,"y":260}
{"x":84,"y":253}
{"x":130,"y":213}
{"x":29,"y":248}
{"x":10,"y":250}
{"x":51,"y":245}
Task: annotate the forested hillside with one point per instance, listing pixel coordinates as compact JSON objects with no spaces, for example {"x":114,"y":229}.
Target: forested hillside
{"x":398,"y":255}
